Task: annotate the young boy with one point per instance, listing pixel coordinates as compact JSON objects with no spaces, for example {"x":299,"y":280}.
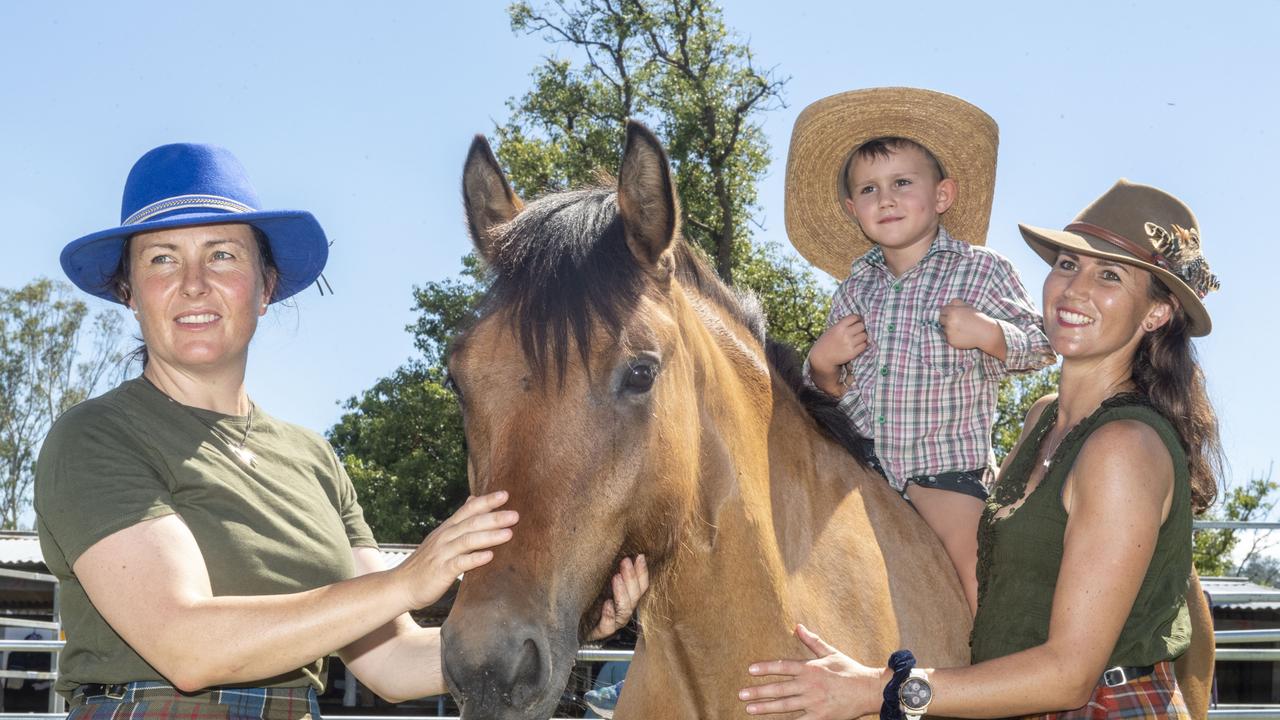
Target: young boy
{"x":925,"y":325}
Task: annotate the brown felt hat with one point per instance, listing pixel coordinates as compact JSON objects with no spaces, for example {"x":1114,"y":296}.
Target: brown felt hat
{"x":962,"y":138}
{"x":1145,"y":227}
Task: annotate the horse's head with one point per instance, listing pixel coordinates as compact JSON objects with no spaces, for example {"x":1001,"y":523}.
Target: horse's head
{"x":579,"y":386}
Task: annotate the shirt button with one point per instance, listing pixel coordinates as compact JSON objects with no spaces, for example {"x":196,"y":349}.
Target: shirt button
{"x":884,"y":370}
{"x":891,"y":326}
{"x":880,"y":419}
{"x":897,"y":287}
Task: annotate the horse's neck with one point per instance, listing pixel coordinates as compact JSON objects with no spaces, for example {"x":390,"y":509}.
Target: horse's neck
{"x":788,"y":528}
{"x":768,"y":484}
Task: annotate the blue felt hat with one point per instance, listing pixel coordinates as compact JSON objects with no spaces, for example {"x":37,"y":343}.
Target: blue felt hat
{"x":188,"y":184}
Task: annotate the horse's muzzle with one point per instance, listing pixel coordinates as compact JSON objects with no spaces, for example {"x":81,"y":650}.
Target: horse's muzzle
{"x":500,"y":669}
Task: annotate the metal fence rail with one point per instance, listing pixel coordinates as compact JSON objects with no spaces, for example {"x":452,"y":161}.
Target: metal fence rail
{"x":1221,"y":638}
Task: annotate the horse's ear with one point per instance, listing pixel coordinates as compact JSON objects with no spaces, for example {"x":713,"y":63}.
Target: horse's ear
{"x":488,"y":196}
{"x":647,"y":196}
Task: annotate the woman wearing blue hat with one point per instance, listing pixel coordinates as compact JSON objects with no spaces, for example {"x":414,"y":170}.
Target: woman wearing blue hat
{"x":210,"y":555}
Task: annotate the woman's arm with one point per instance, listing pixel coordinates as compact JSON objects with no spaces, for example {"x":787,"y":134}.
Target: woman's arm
{"x":151,"y":584}
{"x":401,"y":660}
{"x":1120,"y":488}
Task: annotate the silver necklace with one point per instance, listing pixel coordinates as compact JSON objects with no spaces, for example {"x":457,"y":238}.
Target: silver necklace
{"x":244,"y":454}
{"x":1048,"y":458}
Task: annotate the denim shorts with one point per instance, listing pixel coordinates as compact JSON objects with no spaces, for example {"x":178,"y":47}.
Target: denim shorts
{"x":966,"y":482}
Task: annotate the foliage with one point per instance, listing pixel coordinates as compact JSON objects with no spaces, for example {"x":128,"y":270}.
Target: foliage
{"x":671,"y":63}
{"x":795,"y":301}
{"x":401,"y":441}
{"x":445,"y":309}
{"x":1263,"y":570}
{"x":1014,"y":399}
{"x":53,"y":354}
{"x":1212,"y":550}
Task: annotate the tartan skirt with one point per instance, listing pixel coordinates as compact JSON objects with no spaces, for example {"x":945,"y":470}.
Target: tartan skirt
{"x":1154,"y":696}
{"x":149,"y":700}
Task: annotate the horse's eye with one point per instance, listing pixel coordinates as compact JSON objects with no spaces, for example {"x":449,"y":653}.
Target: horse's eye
{"x":639,"y":378}
{"x":452,"y":386}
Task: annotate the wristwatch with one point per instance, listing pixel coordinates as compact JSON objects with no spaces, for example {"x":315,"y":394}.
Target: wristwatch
{"x":914,"y":695}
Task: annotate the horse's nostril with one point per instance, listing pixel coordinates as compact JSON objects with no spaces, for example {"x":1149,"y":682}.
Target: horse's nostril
{"x":527,"y":678}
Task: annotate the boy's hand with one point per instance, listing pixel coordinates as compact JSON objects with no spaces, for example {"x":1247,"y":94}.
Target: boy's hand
{"x":965,"y":328}
{"x":840,"y":344}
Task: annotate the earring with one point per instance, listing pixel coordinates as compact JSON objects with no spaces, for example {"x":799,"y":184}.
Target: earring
{"x":1148,"y":326}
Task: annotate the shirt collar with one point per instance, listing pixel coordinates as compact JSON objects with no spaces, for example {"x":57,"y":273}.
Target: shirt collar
{"x":944,"y":242}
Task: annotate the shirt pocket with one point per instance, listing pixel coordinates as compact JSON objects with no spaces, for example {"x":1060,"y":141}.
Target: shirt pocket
{"x":935,"y":354}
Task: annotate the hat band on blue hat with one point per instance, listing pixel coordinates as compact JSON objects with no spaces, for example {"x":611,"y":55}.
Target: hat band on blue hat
{"x":187,"y":202}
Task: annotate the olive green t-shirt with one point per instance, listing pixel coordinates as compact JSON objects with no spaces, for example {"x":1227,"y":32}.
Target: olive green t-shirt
{"x":1019,"y":555}
{"x":284,"y":524}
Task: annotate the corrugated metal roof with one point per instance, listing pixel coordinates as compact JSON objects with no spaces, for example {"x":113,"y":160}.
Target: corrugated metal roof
{"x":20,"y":549}
{"x":1240,"y":593}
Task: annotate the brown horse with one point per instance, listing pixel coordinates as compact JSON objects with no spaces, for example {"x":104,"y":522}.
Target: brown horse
{"x":629,"y":403}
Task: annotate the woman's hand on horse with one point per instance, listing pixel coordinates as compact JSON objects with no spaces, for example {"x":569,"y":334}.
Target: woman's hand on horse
{"x":841,"y":343}
{"x":830,"y":686}
{"x":629,"y":584}
{"x":460,"y":544}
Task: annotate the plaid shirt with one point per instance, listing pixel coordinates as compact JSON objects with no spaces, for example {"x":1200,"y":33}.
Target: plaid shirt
{"x":928,"y":407}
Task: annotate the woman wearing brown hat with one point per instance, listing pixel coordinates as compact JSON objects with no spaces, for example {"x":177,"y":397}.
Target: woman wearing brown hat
{"x":1085,"y":544}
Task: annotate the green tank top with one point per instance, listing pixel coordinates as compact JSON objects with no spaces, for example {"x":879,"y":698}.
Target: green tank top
{"x":1019,"y":555}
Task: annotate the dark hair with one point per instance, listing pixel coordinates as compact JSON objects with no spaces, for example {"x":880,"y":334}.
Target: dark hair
{"x":119,"y":282}
{"x":882,"y":148}
{"x":1166,"y":370}
{"x":564,"y":268}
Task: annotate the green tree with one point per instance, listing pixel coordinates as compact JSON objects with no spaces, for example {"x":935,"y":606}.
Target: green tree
{"x":1213,"y":549}
{"x":1264,"y":570}
{"x":401,"y":441}
{"x":1014,"y":399}
{"x":674,"y":65}
{"x":53,"y":354}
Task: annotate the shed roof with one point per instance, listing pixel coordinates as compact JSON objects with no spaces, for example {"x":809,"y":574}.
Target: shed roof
{"x":1240,"y":594}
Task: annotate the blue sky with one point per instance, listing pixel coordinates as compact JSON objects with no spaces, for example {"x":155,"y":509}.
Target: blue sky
{"x":362,"y":113}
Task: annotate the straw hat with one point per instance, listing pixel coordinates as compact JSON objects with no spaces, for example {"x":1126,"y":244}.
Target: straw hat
{"x":1145,"y":227}
{"x":962,"y":138}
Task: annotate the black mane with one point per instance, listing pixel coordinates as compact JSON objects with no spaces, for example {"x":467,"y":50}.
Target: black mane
{"x":562,"y":269}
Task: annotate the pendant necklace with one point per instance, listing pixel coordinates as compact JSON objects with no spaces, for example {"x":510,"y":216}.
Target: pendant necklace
{"x":244,"y":454}
{"x":1048,"y":458}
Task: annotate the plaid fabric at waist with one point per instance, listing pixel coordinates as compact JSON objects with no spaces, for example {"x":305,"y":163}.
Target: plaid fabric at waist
{"x":1148,"y":697}
{"x":150,"y":700}
{"x":969,"y":482}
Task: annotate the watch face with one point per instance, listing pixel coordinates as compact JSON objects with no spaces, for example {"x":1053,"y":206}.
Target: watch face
{"x":915,"y":693}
